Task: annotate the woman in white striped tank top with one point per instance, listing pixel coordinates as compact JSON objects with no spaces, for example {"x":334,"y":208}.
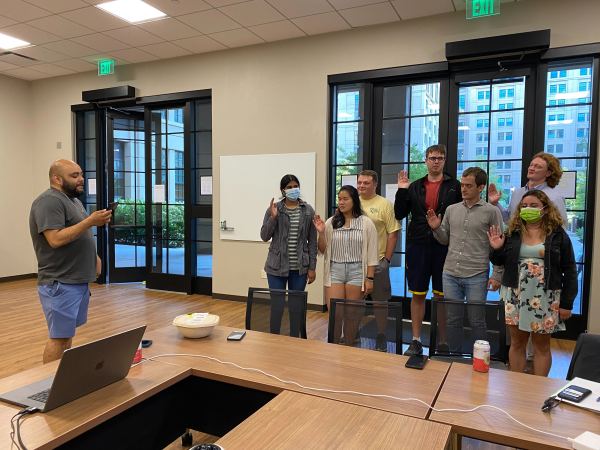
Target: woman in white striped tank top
{"x":348,"y":241}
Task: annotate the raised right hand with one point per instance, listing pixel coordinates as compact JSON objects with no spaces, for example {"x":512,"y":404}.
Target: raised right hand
{"x":493,"y":194}
{"x":100,"y":217}
{"x":319,"y":224}
{"x":403,"y":181}
{"x":496,"y":237}
{"x":273,"y":208}
{"x":433,"y":220}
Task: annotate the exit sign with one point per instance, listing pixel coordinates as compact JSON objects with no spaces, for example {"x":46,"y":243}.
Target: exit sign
{"x":106,"y":67}
{"x":482,"y":8}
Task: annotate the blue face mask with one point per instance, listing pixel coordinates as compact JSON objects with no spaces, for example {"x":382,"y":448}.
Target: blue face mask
{"x":292,"y":194}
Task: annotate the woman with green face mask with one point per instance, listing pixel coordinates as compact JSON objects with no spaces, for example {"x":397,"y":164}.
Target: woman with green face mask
{"x":539,"y":282}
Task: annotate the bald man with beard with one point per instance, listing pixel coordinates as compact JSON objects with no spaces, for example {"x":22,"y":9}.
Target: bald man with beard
{"x":61,"y":231}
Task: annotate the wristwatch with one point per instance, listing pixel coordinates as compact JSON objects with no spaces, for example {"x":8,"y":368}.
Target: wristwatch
{"x":370,"y":278}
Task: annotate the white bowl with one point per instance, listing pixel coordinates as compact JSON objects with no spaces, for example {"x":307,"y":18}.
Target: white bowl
{"x":196,"y":325}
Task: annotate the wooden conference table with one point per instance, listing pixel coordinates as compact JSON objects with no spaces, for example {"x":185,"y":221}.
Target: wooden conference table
{"x":519,"y":394}
{"x":163,"y":389}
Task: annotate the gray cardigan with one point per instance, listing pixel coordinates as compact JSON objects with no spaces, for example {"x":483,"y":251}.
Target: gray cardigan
{"x":277,"y":230}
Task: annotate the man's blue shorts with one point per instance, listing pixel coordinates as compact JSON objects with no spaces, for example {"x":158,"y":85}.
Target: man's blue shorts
{"x":65,"y":307}
{"x":424,"y":262}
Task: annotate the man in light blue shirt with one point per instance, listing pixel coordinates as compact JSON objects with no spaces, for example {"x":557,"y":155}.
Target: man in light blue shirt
{"x":544,"y":173}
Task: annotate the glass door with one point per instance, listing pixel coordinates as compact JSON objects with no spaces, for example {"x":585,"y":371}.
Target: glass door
{"x":126,"y":185}
{"x":167,"y":258}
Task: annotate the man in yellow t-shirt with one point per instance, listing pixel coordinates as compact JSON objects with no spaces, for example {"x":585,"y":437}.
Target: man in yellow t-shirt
{"x":381,"y":212}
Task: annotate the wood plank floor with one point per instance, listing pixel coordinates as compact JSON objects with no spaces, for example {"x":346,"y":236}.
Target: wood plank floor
{"x":116,"y":308}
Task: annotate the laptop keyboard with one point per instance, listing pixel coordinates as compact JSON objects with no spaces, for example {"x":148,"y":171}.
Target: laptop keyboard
{"x":41,"y":397}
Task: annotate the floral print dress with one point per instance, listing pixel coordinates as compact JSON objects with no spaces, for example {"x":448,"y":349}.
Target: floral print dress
{"x":529,"y":306}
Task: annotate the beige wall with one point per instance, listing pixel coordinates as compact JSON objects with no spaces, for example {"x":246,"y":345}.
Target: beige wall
{"x":16,"y":251}
{"x":273,"y":98}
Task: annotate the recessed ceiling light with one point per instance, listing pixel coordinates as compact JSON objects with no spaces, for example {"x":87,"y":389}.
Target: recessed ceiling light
{"x":134,"y":11}
{"x":9,"y":43}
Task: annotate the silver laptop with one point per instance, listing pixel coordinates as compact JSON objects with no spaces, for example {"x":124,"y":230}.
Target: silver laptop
{"x":81,"y":370}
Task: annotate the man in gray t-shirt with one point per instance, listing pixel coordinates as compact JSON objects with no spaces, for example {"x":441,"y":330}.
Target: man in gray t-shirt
{"x":64,"y":245}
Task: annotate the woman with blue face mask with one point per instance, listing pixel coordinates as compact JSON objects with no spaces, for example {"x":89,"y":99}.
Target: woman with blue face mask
{"x":539,"y":282}
{"x":292,"y":257}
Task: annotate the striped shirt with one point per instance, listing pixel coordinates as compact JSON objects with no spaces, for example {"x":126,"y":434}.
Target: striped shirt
{"x":294,"y":214}
{"x":346,"y":243}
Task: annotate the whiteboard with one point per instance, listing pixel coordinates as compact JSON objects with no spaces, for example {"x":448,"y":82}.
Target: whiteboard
{"x":249,"y":182}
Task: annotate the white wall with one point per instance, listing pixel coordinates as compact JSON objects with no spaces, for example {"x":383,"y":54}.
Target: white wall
{"x":273,"y":98}
{"x":15,"y":183}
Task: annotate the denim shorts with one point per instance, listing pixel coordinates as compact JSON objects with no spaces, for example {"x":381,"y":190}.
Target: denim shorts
{"x":65,"y":307}
{"x":347,"y":273}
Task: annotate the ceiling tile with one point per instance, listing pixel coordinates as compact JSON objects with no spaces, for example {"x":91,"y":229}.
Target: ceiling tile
{"x":21,"y":11}
{"x":211,"y":21}
{"x":70,"y":48}
{"x":58,"y":6}
{"x":295,"y":8}
{"x":25,"y":73}
{"x":7,"y":66}
{"x":100,"y":42}
{"x":179,"y":7}
{"x":41,"y":54}
{"x":200,"y":44}
{"x":169,"y":29}
{"x":133,"y":55}
{"x":370,"y":15}
{"x":95,"y":18}
{"x":345,"y":4}
{"x":17,"y":60}
{"x":409,"y":9}
{"x":60,"y":26}
{"x":251,"y":13}
{"x":52,"y":69}
{"x":78,"y":65}
{"x":219,"y":3}
{"x":277,"y":31}
{"x":237,"y":38}
{"x":30,"y":34}
{"x":165,"y":50}
{"x":134,"y":36}
{"x":321,"y":23}
{"x":5,"y":21}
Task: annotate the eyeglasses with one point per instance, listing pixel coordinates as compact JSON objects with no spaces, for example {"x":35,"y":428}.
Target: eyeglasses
{"x":550,"y":403}
{"x":436,"y":158}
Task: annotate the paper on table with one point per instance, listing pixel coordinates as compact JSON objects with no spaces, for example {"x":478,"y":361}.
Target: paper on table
{"x":590,"y":402}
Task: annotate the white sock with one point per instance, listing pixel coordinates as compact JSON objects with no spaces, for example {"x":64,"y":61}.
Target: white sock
{"x":416,"y":339}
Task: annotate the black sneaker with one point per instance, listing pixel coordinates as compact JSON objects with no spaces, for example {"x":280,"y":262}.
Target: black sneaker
{"x":381,"y":343}
{"x":415,"y":348}
{"x":443,"y":348}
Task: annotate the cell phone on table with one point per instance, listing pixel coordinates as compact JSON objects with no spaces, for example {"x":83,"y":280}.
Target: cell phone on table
{"x":416,"y":362}
{"x":574,"y":393}
{"x":112,"y":206}
{"x":236,"y":336}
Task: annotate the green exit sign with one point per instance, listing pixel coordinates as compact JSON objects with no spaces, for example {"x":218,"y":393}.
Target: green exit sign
{"x":106,"y":67}
{"x":482,"y":8}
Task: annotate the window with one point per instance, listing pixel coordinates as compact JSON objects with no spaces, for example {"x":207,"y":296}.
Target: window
{"x":501,"y":122}
{"x":550,"y":148}
{"x":580,"y":163}
{"x":583,"y":117}
{"x":461,"y":136}
{"x":482,"y":137}
{"x":584,"y":71}
{"x":562,"y":88}
{"x":559,"y":148}
{"x":582,"y":132}
{"x":480,"y":151}
{"x":552,"y":102}
{"x":483,"y":107}
{"x":462,"y":102}
{"x":553,"y":88}
{"x":483,"y":123}
{"x":560,"y":133}
{"x":551,"y":134}
{"x":584,"y":86}
{"x":511,"y":92}
{"x":483,"y":95}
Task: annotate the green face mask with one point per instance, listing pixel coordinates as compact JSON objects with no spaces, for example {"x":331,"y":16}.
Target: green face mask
{"x":529,"y":214}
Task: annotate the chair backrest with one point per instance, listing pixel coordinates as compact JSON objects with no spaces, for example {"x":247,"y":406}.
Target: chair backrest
{"x":366,"y":324}
{"x":456,"y":325}
{"x":277,"y":311}
{"x":585,"y":362}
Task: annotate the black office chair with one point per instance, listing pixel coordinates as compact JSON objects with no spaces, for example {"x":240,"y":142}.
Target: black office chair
{"x":456,"y":325}
{"x":585,"y":362}
{"x":355,"y":323}
{"x":266,"y":311}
